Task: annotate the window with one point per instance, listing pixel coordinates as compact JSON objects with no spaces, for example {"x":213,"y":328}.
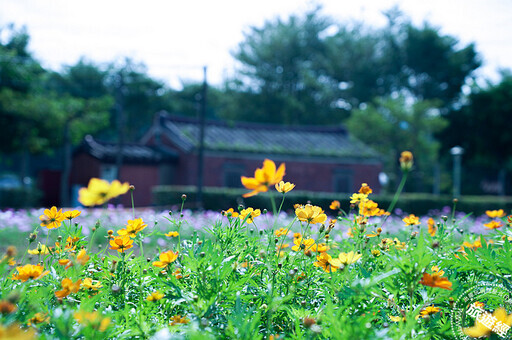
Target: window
{"x":232,"y":173}
{"x":343,"y":180}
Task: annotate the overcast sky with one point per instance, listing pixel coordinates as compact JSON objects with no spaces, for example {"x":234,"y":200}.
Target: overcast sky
{"x":176,"y":38}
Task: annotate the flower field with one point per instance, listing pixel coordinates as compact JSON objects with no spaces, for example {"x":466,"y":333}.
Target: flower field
{"x":355,"y":272}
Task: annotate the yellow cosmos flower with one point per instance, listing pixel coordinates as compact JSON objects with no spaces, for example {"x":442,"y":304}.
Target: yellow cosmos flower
{"x":429,"y":311}
{"x":166,"y":258}
{"x":251,"y":213}
{"x":52,"y":218}
{"x":283,"y":187}
{"x":38,"y":318}
{"x":68,"y":287}
{"x":495,"y":213}
{"x":335,"y":205}
{"x":320,"y":248}
{"x":432,"y":228}
{"x":71,"y":214}
{"x":281,"y":232}
{"x":40,"y":250}
{"x":493,"y":225}
{"x":371,"y":208}
{"x":92,"y":319}
{"x":177,"y":319}
{"x":263,"y":178}
{"x":88,"y":284}
{"x":133,"y":228}
{"x":358,"y":198}
{"x":301,"y":243}
{"x":487,"y":322}
{"x":311,"y":214}
{"x":346,"y":259}
{"x":155,"y":296}
{"x":172,"y":234}
{"x":396,"y":318}
{"x":230,"y":213}
{"x":406,"y":160}
{"x":14,"y":331}
{"x":411,"y":220}
{"x":325,"y":261}
{"x":121,"y":243}
{"x":365,"y":189}
{"x":100,"y":191}
{"x":30,"y":271}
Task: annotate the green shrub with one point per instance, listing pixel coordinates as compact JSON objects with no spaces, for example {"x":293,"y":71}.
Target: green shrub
{"x":20,"y":198}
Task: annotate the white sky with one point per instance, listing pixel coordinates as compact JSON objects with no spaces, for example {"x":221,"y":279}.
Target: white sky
{"x":176,"y":38}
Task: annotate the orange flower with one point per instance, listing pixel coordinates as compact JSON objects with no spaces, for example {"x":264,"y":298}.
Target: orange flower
{"x":30,"y":271}
{"x":436,"y":279}
{"x":335,"y":205}
{"x":177,"y":319}
{"x":68,"y":287}
{"x":281,"y":231}
{"x":263,"y":178}
{"x":324,"y":261}
{"x":493,"y":225}
{"x":432,"y":229}
{"x":121,"y":243}
{"x":488,"y":323}
{"x":365,"y":189}
{"x":411,"y":220}
{"x":406,"y":160}
{"x":166,"y":259}
{"x":230,"y":213}
{"x":71,"y":214}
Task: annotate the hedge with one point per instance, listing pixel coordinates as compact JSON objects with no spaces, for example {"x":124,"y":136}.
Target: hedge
{"x":218,"y":199}
{"x":20,"y":198}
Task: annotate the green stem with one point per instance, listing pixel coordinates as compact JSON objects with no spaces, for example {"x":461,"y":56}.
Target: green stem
{"x":273,"y":202}
{"x":396,"y":196}
{"x":133,"y":205}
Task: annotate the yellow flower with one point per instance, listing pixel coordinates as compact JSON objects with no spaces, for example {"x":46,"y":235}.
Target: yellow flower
{"x":92,"y":319}
{"x":371,"y":208}
{"x":376,"y":252}
{"x":320,"y":248}
{"x":230,"y":213}
{"x":82,"y":257}
{"x":493,"y":225}
{"x":166,"y":258}
{"x":71,"y":214}
{"x":311,"y":214}
{"x":251,"y":213}
{"x":406,"y":160}
{"x":52,"y":218}
{"x":14,"y":331}
{"x":133,"y":228}
{"x":281,"y":231}
{"x":346,"y":259}
{"x":429,"y":311}
{"x":325,"y":262}
{"x":263,"y":178}
{"x":177,"y":319}
{"x":335,"y":205}
{"x":358,"y":198}
{"x":486,"y":322}
{"x":411,"y":220}
{"x":495,"y":213}
{"x":396,"y":318}
{"x":399,"y":245}
{"x":365,"y":189}
{"x":37,"y":319}
{"x":40,"y":250}
{"x":100,"y":191}
{"x":87,"y":283}
{"x":172,"y":234}
{"x":121,"y":243}
{"x":283,"y":187}
{"x":432,"y":228}
{"x":30,"y":271}
{"x":301,"y":243}
{"x":155,"y":296}
{"x":68,"y":287}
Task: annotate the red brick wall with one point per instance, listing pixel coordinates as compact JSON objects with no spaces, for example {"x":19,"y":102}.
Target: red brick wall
{"x":144,"y":178}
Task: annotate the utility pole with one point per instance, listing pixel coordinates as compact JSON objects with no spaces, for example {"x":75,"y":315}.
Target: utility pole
{"x":120,"y":124}
{"x":200,"y":161}
{"x":456,"y":152}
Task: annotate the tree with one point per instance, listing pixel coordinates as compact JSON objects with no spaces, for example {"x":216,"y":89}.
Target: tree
{"x":482,"y":128}
{"x":392,"y":125}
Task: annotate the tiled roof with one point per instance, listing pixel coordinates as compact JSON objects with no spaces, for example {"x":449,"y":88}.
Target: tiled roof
{"x":325,"y":141}
{"x":132,"y":153}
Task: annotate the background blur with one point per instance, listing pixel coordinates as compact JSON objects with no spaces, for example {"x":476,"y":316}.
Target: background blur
{"x":389,"y":75}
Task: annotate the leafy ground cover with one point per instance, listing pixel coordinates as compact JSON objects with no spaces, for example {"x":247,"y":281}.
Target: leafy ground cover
{"x":336,"y":272}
